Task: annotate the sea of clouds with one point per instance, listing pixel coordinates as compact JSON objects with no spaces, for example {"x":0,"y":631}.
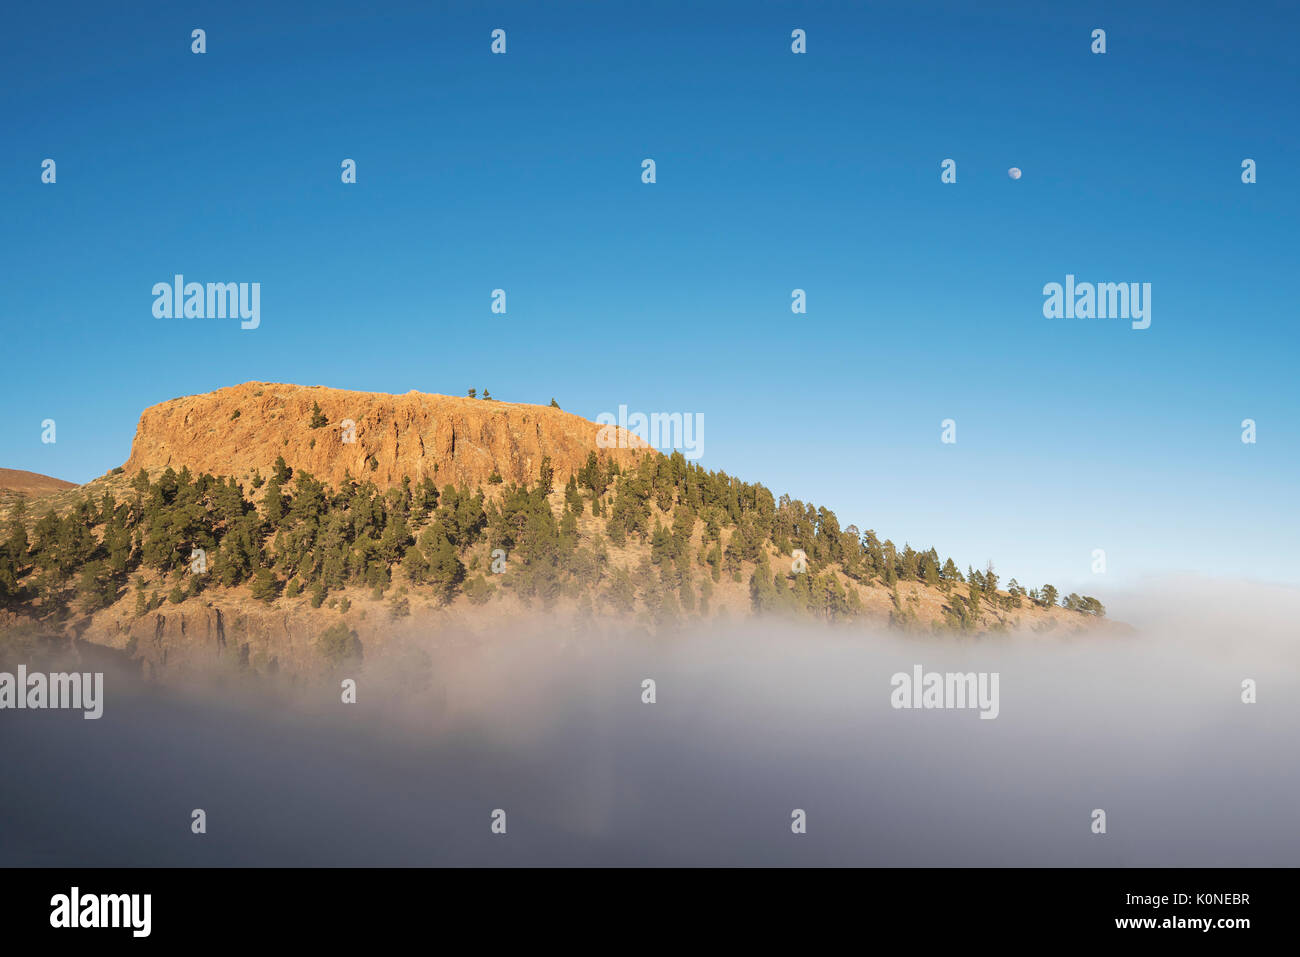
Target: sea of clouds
{"x":751,"y":721}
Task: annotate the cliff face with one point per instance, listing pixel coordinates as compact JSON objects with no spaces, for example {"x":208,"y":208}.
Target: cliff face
{"x":448,"y":439}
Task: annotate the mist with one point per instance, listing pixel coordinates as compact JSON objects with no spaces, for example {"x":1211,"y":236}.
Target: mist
{"x":751,"y":721}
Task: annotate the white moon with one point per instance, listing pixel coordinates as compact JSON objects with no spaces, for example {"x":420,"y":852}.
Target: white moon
{"x":1014,"y":172}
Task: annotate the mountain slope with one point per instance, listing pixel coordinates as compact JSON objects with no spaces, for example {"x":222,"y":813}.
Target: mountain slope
{"x":31,"y":483}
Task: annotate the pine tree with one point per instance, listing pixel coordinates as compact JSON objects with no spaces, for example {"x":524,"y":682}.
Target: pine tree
{"x":763,"y":588}
{"x":282,"y":471}
{"x":990,"y":580}
{"x":95,"y":589}
{"x":445,"y":571}
{"x":620,"y":593}
{"x":930,"y":568}
{"x":265,"y":585}
{"x":546,"y":475}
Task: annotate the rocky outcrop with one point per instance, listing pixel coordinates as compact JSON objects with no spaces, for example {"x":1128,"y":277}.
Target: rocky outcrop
{"x":368,"y":435}
{"x":196,"y":636}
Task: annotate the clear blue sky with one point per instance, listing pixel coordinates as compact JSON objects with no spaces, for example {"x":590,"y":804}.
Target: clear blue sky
{"x":775,"y":171}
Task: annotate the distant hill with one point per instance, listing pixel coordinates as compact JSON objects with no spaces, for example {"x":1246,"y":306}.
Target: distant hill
{"x":31,"y":483}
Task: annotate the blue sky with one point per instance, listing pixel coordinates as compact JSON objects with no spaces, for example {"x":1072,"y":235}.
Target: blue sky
{"x":775,"y":171}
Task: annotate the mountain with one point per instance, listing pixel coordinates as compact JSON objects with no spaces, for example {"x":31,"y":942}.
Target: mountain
{"x":335,"y":433}
{"x":245,"y":531}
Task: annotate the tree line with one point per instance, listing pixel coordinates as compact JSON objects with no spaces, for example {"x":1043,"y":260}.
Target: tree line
{"x":173,"y":536}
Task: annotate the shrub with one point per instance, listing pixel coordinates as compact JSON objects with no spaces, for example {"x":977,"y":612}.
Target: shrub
{"x":478,"y":590}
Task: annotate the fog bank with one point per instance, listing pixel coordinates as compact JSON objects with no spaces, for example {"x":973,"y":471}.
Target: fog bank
{"x":751,"y":721}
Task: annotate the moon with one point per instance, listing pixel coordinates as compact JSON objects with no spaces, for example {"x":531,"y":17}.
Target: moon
{"x":1014,"y":172}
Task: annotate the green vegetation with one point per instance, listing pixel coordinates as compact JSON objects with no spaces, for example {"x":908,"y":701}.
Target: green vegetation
{"x":299,"y":539}
{"x":339,"y":643}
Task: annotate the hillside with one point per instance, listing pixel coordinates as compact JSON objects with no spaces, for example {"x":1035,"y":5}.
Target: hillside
{"x":239,"y":541}
{"x":31,"y":484}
